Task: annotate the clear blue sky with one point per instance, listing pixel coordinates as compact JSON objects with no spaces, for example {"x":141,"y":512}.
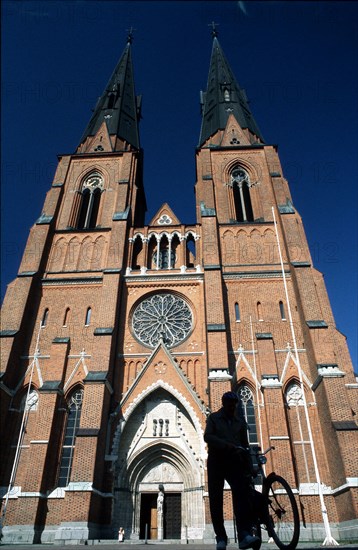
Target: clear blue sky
{"x":296,"y":60}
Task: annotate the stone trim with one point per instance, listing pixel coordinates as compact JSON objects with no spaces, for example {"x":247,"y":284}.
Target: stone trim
{"x":8,"y":333}
{"x":264,"y":336}
{"x":87,"y":432}
{"x":103,"y":331}
{"x":74,"y":281}
{"x":27,"y":273}
{"x":96,"y":376}
{"x":117,"y":216}
{"x":216,"y":327}
{"x":59,"y":340}
{"x":212,"y":267}
{"x":301,"y":264}
{"x":44,"y":220}
{"x":345,"y":425}
{"x":219,"y":375}
{"x":51,"y":386}
{"x":286,"y":208}
{"x":316,"y":323}
{"x":255,"y":275}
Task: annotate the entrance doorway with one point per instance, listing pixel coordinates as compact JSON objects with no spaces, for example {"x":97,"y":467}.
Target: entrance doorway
{"x":171,"y":516}
{"x":148,"y":516}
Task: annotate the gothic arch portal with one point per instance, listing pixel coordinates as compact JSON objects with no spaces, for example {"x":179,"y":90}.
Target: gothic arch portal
{"x":153,"y":450}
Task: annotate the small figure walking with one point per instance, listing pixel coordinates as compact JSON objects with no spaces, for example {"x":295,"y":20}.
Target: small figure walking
{"x":121,"y":534}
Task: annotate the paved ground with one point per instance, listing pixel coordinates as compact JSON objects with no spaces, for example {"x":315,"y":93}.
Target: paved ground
{"x":109,"y":545}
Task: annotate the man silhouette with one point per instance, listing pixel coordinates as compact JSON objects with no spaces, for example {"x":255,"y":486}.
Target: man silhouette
{"x":229,"y":459}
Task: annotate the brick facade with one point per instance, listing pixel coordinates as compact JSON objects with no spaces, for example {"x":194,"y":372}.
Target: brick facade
{"x":72,"y":320}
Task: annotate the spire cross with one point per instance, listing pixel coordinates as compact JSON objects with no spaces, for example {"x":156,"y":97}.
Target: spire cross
{"x":130,"y":35}
{"x":214,"y":32}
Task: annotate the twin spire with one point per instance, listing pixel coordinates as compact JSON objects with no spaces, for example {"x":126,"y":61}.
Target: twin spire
{"x":119,"y":107}
{"x":224,"y":97}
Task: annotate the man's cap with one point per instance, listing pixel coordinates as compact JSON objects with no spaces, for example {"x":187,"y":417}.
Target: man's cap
{"x":230,"y":396}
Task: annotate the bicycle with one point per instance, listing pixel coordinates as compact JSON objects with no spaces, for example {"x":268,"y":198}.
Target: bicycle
{"x":280,"y":515}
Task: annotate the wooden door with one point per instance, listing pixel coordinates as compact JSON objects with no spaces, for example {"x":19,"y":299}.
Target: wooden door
{"x":172,"y":516}
{"x":148,"y":516}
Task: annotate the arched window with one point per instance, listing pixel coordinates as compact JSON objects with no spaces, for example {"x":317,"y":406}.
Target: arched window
{"x":248,"y":409}
{"x":282,"y":311}
{"x":247,"y":400}
{"x":190,"y":251}
{"x":259,"y":311}
{"x":136,"y":255}
{"x":175,"y":247}
{"x":152,"y":252}
{"x":240,"y":184}
{"x":166,"y":257}
{"x":74,"y":406}
{"x":90,"y":199}
{"x":237,"y":313}
{"x":88,"y":317}
{"x":44,"y":318}
{"x":66,"y":317}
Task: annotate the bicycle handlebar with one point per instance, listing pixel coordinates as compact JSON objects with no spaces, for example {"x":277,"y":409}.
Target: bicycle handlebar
{"x":271,"y":448}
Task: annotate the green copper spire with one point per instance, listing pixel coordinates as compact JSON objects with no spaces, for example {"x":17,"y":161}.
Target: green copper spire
{"x":223,"y":97}
{"x":118,"y":106}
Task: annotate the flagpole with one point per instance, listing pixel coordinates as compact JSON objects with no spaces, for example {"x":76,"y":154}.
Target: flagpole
{"x":329,"y":540}
{"x":22,"y":431}
{"x":257,"y":382}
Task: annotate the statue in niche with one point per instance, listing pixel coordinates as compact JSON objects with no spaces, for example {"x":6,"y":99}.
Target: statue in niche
{"x":160,"y":500}
{"x":160,"y":518}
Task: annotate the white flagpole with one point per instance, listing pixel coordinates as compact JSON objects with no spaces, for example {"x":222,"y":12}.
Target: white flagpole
{"x":257,"y":383}
{"x":329,"y":540}
{"x":24,"y":420}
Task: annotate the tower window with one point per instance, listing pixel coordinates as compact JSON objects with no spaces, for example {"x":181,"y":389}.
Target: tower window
{"x":163,"y":262}
{"x":137,"y":250}
{"x":164,"y":256}
{"x":282,"y":311}
{"x":248,"y":409}
{"x":259,"y":311}
{"x":190,"y":251}
{"x":44,"y":318}
{"x":247,"y":400}
{"x":240,"y":184}
{"x":237,"y":313}
{"x":66,"y":317}
{"x":68,"y":447}
{"x":90,"y":200}
{"x":88,"y":317}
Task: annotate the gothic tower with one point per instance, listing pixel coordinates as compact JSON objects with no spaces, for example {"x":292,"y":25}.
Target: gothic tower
{"x":118,"y":337}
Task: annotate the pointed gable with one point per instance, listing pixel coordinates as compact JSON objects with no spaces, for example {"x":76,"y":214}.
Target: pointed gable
{"x":101,"y":142}
{"x":162,"y":370}
{"x":234,"y":135}
{"x":164,"y":217}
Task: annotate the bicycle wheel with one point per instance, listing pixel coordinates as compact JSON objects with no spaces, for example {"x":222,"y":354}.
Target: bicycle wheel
{"x":283,"y":522}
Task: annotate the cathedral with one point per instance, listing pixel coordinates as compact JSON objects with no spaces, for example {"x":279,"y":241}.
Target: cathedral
{"x":118,"y":338}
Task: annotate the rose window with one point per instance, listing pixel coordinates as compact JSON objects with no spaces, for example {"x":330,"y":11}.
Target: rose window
{"x":162,"y":317}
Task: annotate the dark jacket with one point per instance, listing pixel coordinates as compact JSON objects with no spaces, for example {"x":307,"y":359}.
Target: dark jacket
{"x":222,"y":434}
